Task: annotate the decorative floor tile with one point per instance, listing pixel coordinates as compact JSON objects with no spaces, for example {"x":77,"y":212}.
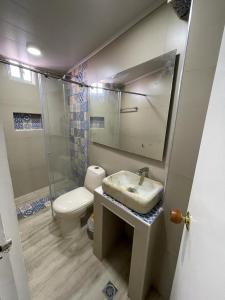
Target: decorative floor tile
{"x":32,"y":208}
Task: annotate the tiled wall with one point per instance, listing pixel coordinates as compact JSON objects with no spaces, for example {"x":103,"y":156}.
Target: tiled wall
{"x":26,"y":121}
{"x":79,"y":124}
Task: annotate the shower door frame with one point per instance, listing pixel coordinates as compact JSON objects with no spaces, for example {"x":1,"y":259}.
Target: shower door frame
{"x":42,"y":89}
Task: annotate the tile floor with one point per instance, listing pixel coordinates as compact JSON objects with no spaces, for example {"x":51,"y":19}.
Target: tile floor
{"x":66,"y":269}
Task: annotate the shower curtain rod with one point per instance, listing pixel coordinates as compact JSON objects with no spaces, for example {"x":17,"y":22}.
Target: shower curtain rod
{"x":57,"y":76}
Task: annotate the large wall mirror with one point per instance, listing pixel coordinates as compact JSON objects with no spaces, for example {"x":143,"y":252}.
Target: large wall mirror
{"x":129,"y":111}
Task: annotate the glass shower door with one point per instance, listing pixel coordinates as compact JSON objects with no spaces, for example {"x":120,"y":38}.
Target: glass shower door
{"x":56,"y":117}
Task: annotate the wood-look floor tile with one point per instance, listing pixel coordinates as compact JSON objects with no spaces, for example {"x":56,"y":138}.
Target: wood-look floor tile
{"x":66,"y":269}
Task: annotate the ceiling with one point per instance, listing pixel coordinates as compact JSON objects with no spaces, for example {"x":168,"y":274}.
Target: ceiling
{"x":66,"y":31}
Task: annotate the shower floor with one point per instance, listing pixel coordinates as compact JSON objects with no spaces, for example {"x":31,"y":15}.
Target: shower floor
{"x":66,"y":269}
{"x":31,"y":197}
{"x":30,"y":204}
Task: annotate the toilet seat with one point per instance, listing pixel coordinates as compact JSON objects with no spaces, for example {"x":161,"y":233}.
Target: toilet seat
{"x":73,"y":201}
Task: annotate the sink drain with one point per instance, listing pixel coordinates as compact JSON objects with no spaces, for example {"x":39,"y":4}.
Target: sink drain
{"x":110,"y":290}
{"x":131,"y":190}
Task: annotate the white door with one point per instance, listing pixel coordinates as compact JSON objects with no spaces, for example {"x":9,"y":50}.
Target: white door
{"x":13,"y":278}
{"x":200,"y":271}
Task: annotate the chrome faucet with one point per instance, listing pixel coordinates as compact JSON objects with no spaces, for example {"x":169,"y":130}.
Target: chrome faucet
{"x":143,"y":172}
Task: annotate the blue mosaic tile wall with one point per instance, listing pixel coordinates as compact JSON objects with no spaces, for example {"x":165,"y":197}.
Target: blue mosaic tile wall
{"x":25,"y":121}
{"x":79,"y":124}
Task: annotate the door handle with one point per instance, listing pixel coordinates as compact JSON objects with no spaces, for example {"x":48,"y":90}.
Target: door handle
{"x":5,"y":248}
{"x":177,"y":217}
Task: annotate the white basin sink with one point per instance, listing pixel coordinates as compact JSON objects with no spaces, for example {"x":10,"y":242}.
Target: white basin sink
{"x":124,"y":187}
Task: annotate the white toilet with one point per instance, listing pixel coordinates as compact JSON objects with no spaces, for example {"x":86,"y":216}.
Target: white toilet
{"x":70,"y":206}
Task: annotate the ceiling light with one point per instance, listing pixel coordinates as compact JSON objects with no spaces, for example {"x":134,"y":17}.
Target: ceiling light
{"x":34,"y":50}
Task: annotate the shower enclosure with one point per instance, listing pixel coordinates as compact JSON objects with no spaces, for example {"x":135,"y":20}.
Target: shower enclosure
{"x":58,"y":124}
{"x":55,"y":114}
{"x":70,"y":116}
{"x":66,"y":137}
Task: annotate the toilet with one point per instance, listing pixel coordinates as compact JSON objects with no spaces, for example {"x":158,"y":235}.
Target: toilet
{"x":71,"y":206}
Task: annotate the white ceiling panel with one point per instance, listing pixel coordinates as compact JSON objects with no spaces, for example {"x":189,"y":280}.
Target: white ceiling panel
{"x":66,"y":31}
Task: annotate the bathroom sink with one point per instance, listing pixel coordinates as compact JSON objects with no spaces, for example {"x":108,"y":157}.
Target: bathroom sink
{"x":124,"y":187}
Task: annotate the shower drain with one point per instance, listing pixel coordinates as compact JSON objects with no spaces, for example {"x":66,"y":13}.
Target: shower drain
{"x":110,"y":290}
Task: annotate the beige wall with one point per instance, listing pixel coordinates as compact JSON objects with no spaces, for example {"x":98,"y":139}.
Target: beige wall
{"x":155,"y":35}
{"x":206,"y":28}
{"x":160,"y":32}
{"x":26,"y":152}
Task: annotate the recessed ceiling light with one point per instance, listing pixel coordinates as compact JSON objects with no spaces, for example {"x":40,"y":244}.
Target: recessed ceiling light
{"x":34,"y":50}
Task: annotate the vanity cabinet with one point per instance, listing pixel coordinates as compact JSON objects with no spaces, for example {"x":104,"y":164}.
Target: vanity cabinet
{"x":146,"y":244}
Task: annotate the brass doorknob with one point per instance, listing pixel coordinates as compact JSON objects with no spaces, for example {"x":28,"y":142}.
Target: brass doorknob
{"x":177,"y":217}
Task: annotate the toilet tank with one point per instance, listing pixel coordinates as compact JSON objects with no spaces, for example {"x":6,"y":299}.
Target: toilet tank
{"x":94,"y":177}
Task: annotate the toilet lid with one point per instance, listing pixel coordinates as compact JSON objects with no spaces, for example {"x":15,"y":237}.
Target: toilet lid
{"x":73,"y":200}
